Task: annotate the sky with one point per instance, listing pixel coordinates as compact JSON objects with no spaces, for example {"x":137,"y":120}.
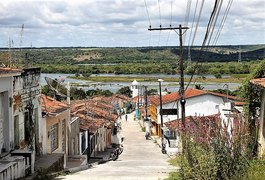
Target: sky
{"x":122,"y":23}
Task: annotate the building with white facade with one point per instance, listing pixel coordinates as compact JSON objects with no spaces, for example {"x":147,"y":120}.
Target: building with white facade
{"x":135,"y":88}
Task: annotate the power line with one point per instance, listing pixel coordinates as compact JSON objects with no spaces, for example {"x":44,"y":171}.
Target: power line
{"x":197,"y":24}
{"x":170,"y":14}
{"x":187,"y":17}
{"x":147,"y":13}
{"x":216,"y":14}
{"x":194,"y":15}
{"x":170,"y":24}
{"x":222,"y":22}
{"x":158,"y":3}
{"x":208,"y":30}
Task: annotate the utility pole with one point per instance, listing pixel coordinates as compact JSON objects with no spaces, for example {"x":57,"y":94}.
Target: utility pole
{"x":145,"y":101}
{"x":181,"y":70}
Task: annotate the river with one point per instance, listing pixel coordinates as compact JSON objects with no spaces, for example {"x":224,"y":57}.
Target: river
{"x":115,"y":86}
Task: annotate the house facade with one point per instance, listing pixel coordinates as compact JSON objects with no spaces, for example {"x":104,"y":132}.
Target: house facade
{"x":7,"y":133}
{"x":27,"y":115}
{"x":55,"y":119}
{"x":74,"y":132}
{"x":261,"y":129}
{"x":198,"y":103}
{"x":11,"y":167}
{"x":20,"y":112}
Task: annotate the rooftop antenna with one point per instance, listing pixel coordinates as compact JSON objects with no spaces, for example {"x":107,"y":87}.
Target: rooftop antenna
{"x":9,"y":52}
{"x":21,"y":36}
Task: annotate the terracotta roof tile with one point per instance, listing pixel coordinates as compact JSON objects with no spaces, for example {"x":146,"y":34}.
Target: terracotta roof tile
{"x":51,"y":106}
{"x":189,"y":93}
{"x":259,"y":81}
{"x":9,"y":70}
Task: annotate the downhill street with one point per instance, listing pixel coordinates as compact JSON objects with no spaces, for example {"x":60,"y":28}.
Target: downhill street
{"x":141,"y":158}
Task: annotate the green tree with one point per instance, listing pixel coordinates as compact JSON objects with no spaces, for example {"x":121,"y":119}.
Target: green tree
{"x":125,"y":91}
{"x":76,"y":93}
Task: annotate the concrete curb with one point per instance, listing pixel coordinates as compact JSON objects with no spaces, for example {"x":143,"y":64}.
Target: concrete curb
{"x":84,"y":167}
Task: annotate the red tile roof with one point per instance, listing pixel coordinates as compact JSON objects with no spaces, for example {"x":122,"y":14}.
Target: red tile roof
{"x":94,"y":113}
{"x":259,"y":81}
{"x":5,"y":71}
{"x":189,"y":93}
{"x":239,"y":103}
{"x":51,"y":106}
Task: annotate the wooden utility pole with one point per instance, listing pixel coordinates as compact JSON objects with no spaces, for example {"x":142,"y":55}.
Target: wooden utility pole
{"x":180,"y":32}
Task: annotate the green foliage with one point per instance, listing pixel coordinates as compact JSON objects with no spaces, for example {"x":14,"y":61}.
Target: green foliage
{"x":199,"y":86}
{"x":204,"y":164}
{"x":256,"y":170}
{"x":125,"y":91}
{"x":224,"y":91}
{"x":252,"y":93}
{"x":96,"y":92}
{"x":77,"y":93}
{"x":152,"y":92}
{"x":218,"y":76}
{"x":212,"y":151}
{"x":86,"y":74}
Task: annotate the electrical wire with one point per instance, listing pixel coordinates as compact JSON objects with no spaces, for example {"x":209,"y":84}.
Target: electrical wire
{"x":197,"y":24}
{"x":170,"y":23}
{"x":191,"y":29}
{"x":187,"y":17}
{"x":208,"y":30}
{"x":147,"y":13}
{"x":170,"y":14}
{"x":222,"y":22}
{"x":158,"y":3}
{"x":219,"y":4}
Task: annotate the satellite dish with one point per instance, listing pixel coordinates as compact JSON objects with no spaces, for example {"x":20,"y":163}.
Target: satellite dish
{"x":56,"y":86}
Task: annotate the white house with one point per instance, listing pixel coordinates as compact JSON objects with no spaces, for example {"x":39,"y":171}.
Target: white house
{"x":198,"y":103}
{"x":135,"y":88}
{"x":11,"y":167}
{"x":20,"y":112}
{"x":7,"y":133}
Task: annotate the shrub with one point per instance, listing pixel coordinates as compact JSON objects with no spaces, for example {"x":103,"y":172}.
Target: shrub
{"x":212,"y":151}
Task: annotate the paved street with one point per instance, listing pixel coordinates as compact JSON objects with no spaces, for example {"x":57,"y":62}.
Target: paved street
{"x":141,"y":159}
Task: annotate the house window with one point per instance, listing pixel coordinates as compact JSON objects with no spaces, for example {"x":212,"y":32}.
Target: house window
{"x":54,"y":137}
{"x":16,"y":131}
{"x":63,"y":135}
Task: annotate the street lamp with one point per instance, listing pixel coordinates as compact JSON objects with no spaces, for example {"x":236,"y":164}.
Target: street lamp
{"x":161,"y":117}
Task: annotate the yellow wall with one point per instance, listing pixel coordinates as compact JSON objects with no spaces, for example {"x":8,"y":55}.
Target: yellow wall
{"x":51,"y":121}
{"x":153,"y":112}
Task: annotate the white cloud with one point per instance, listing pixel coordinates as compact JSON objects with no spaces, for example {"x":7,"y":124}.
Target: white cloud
{"x":120,"y":22}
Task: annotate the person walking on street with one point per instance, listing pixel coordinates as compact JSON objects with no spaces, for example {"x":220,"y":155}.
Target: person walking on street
{"x":126,"y":117}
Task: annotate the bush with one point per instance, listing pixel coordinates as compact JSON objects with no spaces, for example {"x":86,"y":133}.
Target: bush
{"x":204,"y":165}
{"x":218,"y":76}
{"x":212,"y":151}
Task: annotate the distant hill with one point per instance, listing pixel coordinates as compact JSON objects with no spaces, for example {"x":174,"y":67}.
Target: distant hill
{"x":92,"y":55}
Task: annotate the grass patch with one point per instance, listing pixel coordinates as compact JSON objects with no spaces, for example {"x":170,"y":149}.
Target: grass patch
{"x":174,"y":175}
{"x":153,"y":79}
{"x":256,"y":170}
